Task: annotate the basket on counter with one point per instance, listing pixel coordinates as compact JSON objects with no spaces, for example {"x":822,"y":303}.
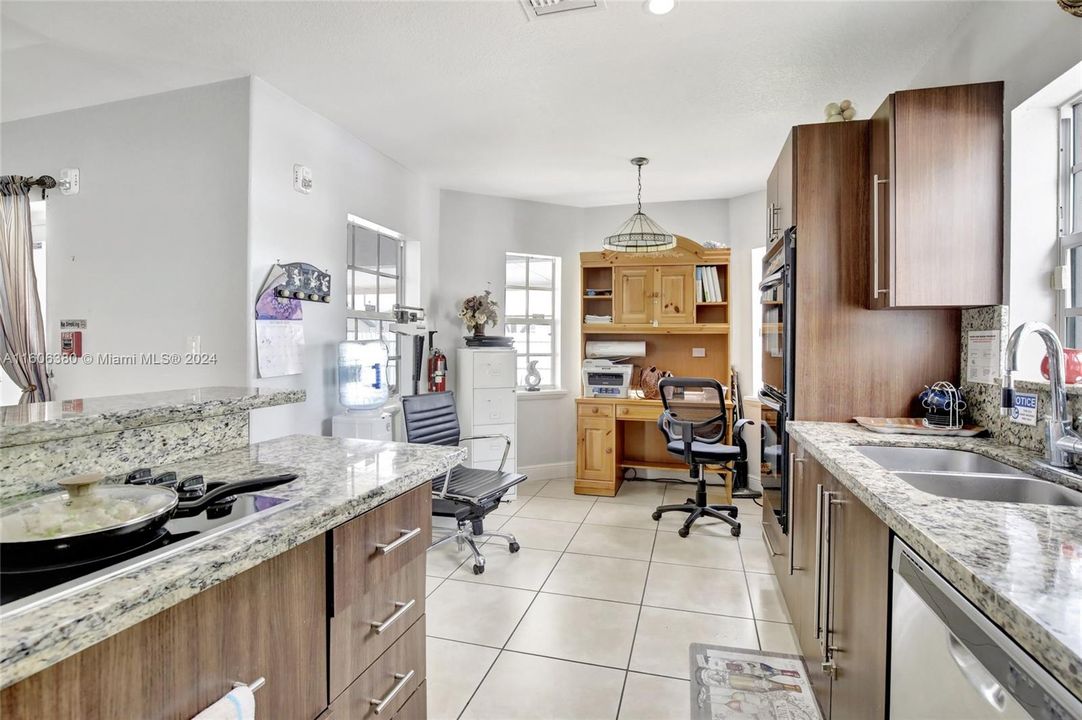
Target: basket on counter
{"x":943,"y":405}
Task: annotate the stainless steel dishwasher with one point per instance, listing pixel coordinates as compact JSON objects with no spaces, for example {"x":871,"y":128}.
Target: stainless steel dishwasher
{"x":949,"y":662}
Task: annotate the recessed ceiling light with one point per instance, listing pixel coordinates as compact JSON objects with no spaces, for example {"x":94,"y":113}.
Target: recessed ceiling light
{"x":659,"y":7}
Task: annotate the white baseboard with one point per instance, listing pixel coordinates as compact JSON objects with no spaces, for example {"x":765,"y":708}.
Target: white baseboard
{"x":548,"y":471}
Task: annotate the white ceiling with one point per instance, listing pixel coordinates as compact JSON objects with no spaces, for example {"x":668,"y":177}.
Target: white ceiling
{"x":475,"y":98}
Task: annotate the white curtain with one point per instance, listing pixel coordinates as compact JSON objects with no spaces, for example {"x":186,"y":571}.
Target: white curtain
{"x":22,"y":333}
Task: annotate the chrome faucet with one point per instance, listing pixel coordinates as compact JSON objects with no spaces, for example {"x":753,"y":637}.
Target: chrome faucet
{"x":1063,"y":442}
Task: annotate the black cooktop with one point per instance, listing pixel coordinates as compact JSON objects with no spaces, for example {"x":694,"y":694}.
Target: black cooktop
{"x":180,"y":530}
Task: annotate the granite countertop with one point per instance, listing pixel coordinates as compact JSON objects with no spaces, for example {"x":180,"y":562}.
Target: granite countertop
{"x":58,"y":419}
{"x":1021,"y":564}
{"x":339,"y":479}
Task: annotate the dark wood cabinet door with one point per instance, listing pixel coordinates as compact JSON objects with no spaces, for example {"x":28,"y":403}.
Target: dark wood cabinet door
{"x":881,"y":160}
{"x":269,"y":621}
{"x":947,"y":196}
{"x":859,"y":602}
{"x":785,"y":215}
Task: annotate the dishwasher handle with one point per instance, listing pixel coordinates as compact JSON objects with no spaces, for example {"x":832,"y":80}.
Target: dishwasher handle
{"x":976,"y":674}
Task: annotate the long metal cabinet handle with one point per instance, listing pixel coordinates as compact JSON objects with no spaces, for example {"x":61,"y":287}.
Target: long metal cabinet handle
{"x":403,"y":680}
{"x":818,"y":558}
{"x":407,"y":535}
{"x":403,"y":608}
{"x":790,"y":514}
{"x":876,"y":182}
{"x":828,"y":556}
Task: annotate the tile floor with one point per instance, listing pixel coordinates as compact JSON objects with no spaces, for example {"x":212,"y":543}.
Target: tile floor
{"x":593,"y":617}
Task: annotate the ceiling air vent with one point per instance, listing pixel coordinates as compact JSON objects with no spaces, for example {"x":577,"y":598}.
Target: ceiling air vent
{"x":549,"y":8}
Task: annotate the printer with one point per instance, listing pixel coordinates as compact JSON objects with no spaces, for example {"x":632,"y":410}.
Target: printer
{"x":602,"y":373}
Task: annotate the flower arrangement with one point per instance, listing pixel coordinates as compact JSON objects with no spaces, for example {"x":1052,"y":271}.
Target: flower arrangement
{"x":478,"y":311}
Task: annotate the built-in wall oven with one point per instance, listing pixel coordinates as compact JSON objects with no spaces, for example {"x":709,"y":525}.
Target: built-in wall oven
{"x":777,"y":291}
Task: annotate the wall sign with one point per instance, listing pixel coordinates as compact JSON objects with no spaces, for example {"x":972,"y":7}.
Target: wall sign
{"x":985,"y":353}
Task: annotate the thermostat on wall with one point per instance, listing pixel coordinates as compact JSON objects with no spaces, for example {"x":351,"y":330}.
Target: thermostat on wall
{"x":302,"y":179}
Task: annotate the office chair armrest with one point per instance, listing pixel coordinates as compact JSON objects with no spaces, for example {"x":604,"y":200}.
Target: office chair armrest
{"x":446,"y":481}
{"x":738,"y":435}
{"x":506,"y":447}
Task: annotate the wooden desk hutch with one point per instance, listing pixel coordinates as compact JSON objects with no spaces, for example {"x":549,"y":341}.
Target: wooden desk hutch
{"x":651,"y":297}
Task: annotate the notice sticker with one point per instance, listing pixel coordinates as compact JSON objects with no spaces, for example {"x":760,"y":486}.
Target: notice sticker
{"x":1024,"y":411}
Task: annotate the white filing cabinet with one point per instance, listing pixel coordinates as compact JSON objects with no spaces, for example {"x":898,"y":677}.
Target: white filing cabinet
{"x":485,"y":395}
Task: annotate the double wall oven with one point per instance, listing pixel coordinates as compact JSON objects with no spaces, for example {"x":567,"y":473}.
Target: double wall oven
{"x":778,"y":291}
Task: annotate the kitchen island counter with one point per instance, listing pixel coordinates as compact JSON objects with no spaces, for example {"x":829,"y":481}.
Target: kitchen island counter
{"x":1020,"y":564}
{"x":338,"y":480}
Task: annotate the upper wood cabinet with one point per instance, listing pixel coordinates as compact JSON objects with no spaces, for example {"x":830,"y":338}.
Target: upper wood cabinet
{"x":663,"y":294}
{"x":780,"y":197}
{"x":936,"y":191}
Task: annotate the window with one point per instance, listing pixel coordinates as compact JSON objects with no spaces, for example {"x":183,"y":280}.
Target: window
{"x":530,"y":315}
{"x":1070,"y":223}
{"x":373,"y":286}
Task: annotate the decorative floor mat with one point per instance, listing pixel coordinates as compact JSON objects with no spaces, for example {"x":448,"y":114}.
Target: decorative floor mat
{"x":739,"y":684}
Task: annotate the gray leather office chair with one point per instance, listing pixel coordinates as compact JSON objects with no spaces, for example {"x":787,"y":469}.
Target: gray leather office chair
{"x":694,"y":422}
{"x":464,"y":493}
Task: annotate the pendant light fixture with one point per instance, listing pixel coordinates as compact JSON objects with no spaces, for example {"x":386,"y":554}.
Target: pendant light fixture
{"x":639,"y":233}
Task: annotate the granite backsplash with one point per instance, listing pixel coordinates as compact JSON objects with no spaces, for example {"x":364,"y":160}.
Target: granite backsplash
{"x":983,"y":399}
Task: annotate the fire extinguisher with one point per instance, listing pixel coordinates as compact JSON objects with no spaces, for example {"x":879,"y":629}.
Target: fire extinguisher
{"x":437,"y":368}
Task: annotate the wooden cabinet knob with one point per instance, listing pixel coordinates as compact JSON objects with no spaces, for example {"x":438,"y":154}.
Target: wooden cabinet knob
{"x":595,"y":411}
{"x":608,"y":451}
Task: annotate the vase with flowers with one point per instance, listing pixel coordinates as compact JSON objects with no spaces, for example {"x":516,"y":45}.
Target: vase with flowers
{"x":478,"y":311}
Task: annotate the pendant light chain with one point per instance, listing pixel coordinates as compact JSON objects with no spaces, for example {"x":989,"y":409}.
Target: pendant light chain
{"x":640,"y":188}
{"x":639,"y":233}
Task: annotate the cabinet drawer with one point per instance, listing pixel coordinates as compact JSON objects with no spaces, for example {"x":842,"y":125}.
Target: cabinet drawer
{"x":372,"y":548}
{"x":388,"y":679}
{"x":355,"y":642}
{"x":494,"y":407}
{"x":485,"y":450}
{"x":494,"y":370}
{"x":416,"y":708}
{"x":508,"y":466}
{"x":594,"y":410}
{"x":638,"y":412}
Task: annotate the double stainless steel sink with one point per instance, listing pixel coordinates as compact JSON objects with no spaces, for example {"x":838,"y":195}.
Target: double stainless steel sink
{"x":968,"y":476}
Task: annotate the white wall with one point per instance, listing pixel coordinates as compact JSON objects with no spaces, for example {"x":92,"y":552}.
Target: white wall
{"x":747,"y":230}
{"x":164,"y":187}
{"x":349,"y":177}
{"x":1027,"y":45}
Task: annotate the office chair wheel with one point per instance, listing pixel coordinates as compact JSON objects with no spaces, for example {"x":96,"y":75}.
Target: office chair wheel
{"x":683,"y":532}
{"x":513,"y":547}
{"x":478,"y":569}
{"x":735,"y":532}
{"x":656,"y":515}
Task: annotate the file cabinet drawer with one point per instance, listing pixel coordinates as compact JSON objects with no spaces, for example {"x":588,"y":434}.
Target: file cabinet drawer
{"x":494,"y":407}
{"x":494,"y":370}
{"x":362,"y":630}
{"x":491,"y":449}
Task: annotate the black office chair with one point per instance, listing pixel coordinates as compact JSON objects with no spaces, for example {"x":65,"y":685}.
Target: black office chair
{"x":694,"y":423}
{"x":466,"y":494}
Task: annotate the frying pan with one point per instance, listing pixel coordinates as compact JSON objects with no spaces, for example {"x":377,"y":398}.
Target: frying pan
{"x":80,"y":546}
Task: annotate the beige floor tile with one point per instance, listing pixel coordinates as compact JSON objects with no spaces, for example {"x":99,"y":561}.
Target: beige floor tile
{"x":749,"y":508}
{"x":527,"y":687}
{"x":766,"y":598}
{"x":563,"y":489}
{"x":598,"y":577}
{"x":530,"y":487}
{"x":541,"y":534}
{"x":663,"y":638}
{"x":777,"y":637}
{"x":511,"y":507}
{"x":579,"y":629}
{"x":527,"y":569}
{"x":546,"y":508}
{"x":683,"y":587}
{"x":475,"y":613}
{"x":617,"y":542}
{"x":649,"y":697}
{"x":615,"y":514}
{"x":454,"y":670}
{"x":431,"y":583}
{"x":444,"y":559}
{"x":638,"y":492}
{"x":698,"y":550}
{"x":755,"y":553}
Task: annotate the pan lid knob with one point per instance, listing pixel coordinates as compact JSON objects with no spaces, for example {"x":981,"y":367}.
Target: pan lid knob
{"x":80,"y":485}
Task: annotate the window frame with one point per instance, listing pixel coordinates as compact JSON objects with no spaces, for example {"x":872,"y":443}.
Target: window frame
{"x":383,"y":320}
{"x":552,"y":321}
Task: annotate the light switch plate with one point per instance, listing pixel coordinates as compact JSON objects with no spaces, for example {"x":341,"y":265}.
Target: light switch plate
{"x":302,"y":179}
{"x":698,"y":352}
{"x":69,"y":181}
